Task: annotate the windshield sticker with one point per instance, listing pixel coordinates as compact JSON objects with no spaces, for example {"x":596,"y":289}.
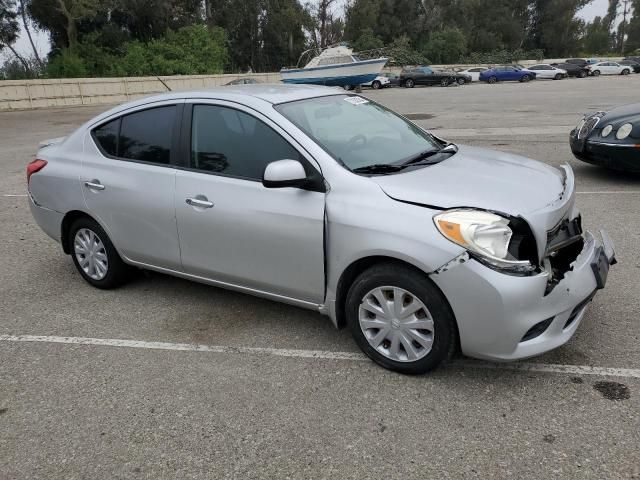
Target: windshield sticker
{"x":356,"y":100}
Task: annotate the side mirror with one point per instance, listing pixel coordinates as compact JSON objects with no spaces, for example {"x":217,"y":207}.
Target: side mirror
{"x":284,"y":173}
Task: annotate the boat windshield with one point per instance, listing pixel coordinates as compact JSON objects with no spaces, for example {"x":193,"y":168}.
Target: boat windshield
{"x":358,"y":132}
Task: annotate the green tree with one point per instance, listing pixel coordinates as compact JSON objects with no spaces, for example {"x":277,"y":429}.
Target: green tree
{"x":367,"y":41}
{"x":597,"y":37}
{"x":361,"y":18}
{"x":555,"y":27}
{"x":446,"y":46}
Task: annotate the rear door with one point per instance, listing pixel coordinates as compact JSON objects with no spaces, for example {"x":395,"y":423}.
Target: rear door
{"x":128,"y":180}
{"x":239,"y":232}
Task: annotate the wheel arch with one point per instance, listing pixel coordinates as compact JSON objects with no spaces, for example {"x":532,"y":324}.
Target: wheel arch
{"x":68,"y":220}
{"x":351,"y":272}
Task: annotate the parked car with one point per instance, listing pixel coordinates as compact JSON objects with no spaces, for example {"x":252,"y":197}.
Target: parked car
{"x":473,"y":72}
{"x":544,"y":70}
{"x":577,"y":61}
{"x":329,"y":201}
{"x":608,"y":68}
{"x":633,"y":59}
{"x":409,"y":77}
{"x":573,"y":70}
{"x":635,"y":66}
{"x":609,"y":139}
{"x":243,"y":81}
{"x":506,"y":73}
{"x":394,"y":79}
{"x":379,"y":82}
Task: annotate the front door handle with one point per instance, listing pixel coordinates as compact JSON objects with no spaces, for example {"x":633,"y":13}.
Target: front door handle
{"x":94,"y":185}
{"x":199,"y":201}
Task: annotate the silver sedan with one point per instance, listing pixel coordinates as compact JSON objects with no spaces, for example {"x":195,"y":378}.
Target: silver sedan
{"x":328,"y":201}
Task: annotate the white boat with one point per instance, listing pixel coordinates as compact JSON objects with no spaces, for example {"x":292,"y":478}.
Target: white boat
{"x":334,"y":66}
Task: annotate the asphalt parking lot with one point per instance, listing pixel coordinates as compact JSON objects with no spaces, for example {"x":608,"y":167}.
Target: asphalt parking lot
{"x":169,"y":379}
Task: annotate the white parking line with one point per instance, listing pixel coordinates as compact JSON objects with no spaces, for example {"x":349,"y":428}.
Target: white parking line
{"x":321,"y":354}
{"x":14,"y":195}
{"x":611,"y":192}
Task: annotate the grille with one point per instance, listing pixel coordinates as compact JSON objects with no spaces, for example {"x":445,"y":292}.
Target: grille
{"x":589,"y":125}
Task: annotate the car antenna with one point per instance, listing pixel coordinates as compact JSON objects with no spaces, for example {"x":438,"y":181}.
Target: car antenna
{"x":162,"y":82}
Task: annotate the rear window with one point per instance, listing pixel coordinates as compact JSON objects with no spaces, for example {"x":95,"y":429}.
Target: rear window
{"x":107,"y":137}
{"x":145,"y":135}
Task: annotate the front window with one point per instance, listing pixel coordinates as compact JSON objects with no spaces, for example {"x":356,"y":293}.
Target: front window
{"x":358,"y":132}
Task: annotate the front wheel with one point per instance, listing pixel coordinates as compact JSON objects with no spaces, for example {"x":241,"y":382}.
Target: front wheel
{"x":461,"y":81}
{"x":626,"y":71}
{"x":525,"y":78}
{"x":94,"y":255}
{"x":596,"y":73}
{"x":492,"y":79}
{"x":376,"y":85}
{"x":444,"y":82}
{"x":409,"y":83}
{"x":348,"y":87}
{"x":582,"y":74}
{"x":558,"y":76}
{"x":400,"y":319}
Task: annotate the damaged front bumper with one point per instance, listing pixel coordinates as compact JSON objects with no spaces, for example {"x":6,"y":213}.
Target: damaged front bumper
{"x":502,"y":317}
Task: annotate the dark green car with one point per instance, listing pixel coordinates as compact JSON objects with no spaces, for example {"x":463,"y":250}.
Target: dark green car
{"x":609,"y":139}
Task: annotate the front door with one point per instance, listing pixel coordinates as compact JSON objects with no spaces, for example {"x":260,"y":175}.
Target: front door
{"x":234,"y":230}
{"x":128,"y":180}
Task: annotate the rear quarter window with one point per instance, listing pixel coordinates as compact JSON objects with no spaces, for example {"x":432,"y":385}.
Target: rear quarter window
{"x":106,"y":136}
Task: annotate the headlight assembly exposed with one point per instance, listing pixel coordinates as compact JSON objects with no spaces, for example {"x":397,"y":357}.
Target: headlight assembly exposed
{"x":482,"y":233}
{"x":624,"y":131}
{"x":606,"y":130}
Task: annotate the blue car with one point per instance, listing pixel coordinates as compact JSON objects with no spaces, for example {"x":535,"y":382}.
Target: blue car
{"x":506,"y":73}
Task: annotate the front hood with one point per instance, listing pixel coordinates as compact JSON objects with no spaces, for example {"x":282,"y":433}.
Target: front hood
{"x":479,"y":178}
{"x":490,"y":180}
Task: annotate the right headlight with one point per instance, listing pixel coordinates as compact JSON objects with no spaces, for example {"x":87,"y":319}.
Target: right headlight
{"x":606,"y":130}
{"x":482,"y":233}
{"x":624,"y":131}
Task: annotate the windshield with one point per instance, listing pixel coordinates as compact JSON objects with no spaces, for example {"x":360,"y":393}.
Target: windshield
{"x":358,"y":132}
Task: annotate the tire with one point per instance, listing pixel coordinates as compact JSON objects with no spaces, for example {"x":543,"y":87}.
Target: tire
{"x":409,"y":83}
{"x":582,"y":74}
{"x":492,"y":80}
{"x":444,"y":82}
{"x":525,"y":78}
{"x":596,"y":73}
{"x":348,"y":87}
{"x":376,"y":85}
{"x":461,"y":81}
{"x":440,"y":328}
{"x":625,"y":72}
{"x":108,"y":273}
{"x":558,"y":76}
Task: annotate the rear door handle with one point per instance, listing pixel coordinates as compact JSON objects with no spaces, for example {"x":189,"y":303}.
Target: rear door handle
{"x":94,"y":184}
{"x":199,"y":202}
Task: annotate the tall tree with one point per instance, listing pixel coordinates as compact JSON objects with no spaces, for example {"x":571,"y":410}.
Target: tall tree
{"x":9,"y":29}
{"x":25,"y":23}
{"x":555,"y":27}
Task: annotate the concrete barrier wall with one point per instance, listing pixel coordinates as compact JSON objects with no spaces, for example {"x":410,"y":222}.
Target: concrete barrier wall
{"x":27,"y":94}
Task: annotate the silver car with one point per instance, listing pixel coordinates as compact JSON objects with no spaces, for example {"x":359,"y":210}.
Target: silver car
{"x":329,"y":201}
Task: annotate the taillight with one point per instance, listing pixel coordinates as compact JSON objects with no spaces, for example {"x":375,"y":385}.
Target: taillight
{"x":34,"y":167}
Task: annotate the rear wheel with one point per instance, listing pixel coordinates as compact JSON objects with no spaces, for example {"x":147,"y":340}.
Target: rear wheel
{"x":444,"y":82}
{"x":582,"y":74}
{"x":492,"y":79}
{"x":348,"y":87}
{"x":95,"y":256}
{"x":596,"y":73}
{"x":626,"y":71}
{"x":461,"y":81}
{"x":409,"y":83}
{"x":525,"y":78}
{"x":400,"y":319}
{"x":558,"y":76}
{"x":376,"y":85}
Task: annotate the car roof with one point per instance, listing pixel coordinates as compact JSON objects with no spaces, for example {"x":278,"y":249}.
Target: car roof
{"x":245,"y":94}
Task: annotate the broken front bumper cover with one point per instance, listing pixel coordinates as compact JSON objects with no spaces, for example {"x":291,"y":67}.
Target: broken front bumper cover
{"x":496,"y":312}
